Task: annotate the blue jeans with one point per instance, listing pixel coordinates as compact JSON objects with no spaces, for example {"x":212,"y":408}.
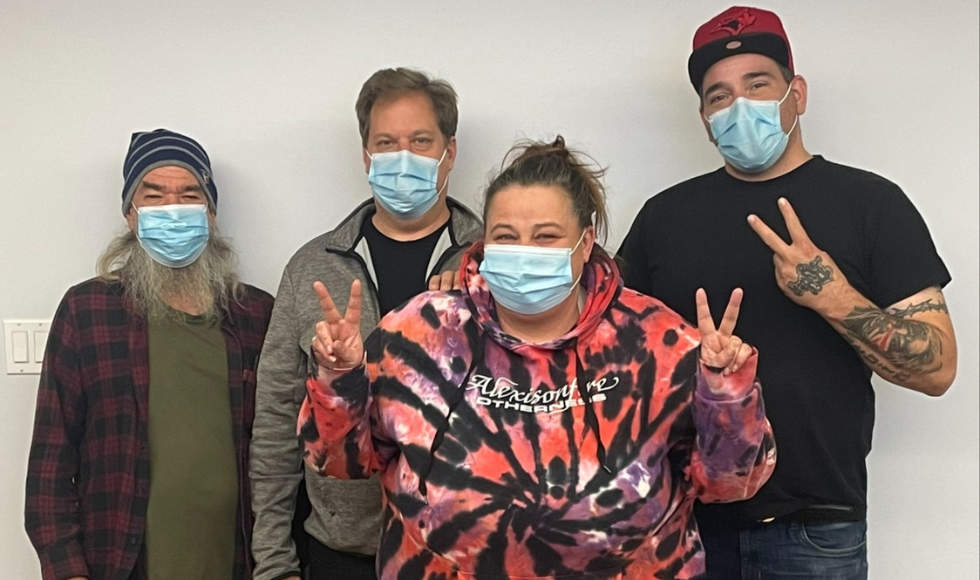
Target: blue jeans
{"x":789,"y":551}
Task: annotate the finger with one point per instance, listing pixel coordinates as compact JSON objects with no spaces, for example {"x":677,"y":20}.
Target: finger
{"x":727,"y":327}
{"x":446,"y":281}
{"x":456,"y":281}
{"x":768,"y":237}
{"x":796,"y":231}
{"x":330,"y":312}
{"x":729,"y":354}
{"x":744,"y":352}
{"x":350,"y":350}
{"x":345,"y":354}
{"x":353,"y":314}
{"x":435,"y":282}
{"x":706,"y":325}
{"x":322,"y":342}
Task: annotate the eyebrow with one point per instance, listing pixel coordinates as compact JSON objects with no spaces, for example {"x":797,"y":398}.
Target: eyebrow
{"x":756,"y":74}
{"x":501,"y":227}
{"x":161,"y":188}
{"x":534,"y":228}
{"x":548,"y":224}
{"x":412,"y":134}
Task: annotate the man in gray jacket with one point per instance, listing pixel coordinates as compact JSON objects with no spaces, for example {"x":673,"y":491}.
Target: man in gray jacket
{"x":410,"y":231}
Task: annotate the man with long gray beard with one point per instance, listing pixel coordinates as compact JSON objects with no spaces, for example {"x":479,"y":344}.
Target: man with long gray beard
{"x":138,"y":466}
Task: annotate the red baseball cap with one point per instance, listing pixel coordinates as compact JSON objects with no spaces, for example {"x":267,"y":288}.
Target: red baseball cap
{"x":738,"y":30}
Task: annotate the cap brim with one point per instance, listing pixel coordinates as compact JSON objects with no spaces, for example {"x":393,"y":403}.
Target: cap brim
{"x":765,"y":43}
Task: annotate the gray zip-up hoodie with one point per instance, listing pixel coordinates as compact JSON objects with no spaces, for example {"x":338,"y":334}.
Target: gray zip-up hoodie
{"x":346,"y":514}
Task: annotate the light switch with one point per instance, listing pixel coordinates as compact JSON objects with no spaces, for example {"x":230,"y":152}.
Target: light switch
{"x":40,"y":341}
{"x":24,"y":342}
{"x":19,"y":349}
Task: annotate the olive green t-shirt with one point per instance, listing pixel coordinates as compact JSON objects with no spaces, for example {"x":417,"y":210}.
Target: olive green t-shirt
{"x":190,"y":521}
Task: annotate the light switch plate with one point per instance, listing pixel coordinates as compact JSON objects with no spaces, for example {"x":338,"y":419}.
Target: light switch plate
{"x":19,"y":335}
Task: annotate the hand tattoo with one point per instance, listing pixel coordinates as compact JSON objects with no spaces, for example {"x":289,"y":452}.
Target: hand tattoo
{"x":811,"y":277}
{"x":902,"y":346}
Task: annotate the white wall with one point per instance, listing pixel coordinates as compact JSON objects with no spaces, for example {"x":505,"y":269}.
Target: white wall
{"x":269,"y":88}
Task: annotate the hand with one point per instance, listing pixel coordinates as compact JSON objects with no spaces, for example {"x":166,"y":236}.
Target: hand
{"x":806,"y":274}
{"x":720,"y":349}
{"x":448,"y":280}
{"x":338,"y":343}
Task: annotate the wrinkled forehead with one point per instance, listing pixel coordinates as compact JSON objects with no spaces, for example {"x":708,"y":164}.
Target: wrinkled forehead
{"x":403,"y":112}
{"x":170,"y":173}
{"x":530,"y":204}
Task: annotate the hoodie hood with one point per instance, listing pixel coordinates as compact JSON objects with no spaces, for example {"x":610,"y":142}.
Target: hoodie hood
{"x":600,"y":279}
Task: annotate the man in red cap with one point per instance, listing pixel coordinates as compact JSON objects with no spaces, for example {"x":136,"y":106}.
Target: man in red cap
{"x":858,"y":290}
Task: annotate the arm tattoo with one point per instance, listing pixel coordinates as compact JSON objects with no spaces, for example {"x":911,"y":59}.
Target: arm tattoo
{"x":926,"y":306}
{"x":811,"y":277}
{"x":891,"y":342}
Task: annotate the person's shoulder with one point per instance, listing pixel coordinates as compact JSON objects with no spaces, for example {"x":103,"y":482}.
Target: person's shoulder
{"x":313,"y":250}
{"x":250,"y":309}
{"x":467,"y":226}
{"x":328,"y":245}
{"x":684,"y":191}
{"x":861,"y":181}
{"x":656,"y":317}
{"x":94,"y":289}
{"x":257,"y":297}
{"x":432,"y":309}
{"x":91,"y":297}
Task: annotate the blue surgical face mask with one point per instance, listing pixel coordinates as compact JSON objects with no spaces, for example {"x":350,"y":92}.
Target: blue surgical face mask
{"x":749,"y":134}
{"x":528,"y":279}
{"x":404,"y":183}
{"x":173,"y":235}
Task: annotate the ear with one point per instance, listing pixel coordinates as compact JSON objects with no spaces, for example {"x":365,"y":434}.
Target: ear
{"x":450,"y":160}
{"x":366,"y":158}
{"x":588,"y":242}
{"x":132,"y":218}
{"x":707,"y":126}
{"x":799,"y":89}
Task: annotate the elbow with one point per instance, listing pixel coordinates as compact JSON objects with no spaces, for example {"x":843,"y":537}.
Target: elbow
{"x":936,"y":384}
{"x":940,"y":384}
{"x":941,"y":380}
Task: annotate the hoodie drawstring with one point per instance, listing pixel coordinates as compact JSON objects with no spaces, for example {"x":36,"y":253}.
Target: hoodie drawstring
{"x":591,"y":419}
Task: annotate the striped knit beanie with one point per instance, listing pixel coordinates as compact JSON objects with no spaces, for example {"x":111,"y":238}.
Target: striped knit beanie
{"x":149,"y":150}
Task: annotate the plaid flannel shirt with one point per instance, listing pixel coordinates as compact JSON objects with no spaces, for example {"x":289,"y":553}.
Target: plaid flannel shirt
{"x":89,"y":466}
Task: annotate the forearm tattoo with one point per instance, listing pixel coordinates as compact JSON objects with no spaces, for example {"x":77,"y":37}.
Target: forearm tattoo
{"x":894,"y":344}
{"x":811,"y":277}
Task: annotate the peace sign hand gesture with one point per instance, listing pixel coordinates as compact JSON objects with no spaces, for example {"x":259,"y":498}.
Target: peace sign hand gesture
{"x":337,"y":344}
{"x":806,"y":274}
{"x":721,"y":351}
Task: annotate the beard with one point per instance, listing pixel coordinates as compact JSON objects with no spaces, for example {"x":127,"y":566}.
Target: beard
{"x":161,"y":293}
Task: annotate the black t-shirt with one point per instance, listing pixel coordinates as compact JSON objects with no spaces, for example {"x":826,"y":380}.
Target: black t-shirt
{"x":401,"y":268}
{"x":817,"y":390}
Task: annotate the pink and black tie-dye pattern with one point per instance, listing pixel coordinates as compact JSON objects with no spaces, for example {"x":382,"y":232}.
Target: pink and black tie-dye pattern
{"x":492,"y":468}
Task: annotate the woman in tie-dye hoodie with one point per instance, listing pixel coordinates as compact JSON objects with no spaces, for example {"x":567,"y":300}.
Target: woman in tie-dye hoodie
{"x":543,"y":421}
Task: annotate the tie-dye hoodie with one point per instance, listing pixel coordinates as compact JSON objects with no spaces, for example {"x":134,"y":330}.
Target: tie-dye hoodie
{"x":575,"y":459}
